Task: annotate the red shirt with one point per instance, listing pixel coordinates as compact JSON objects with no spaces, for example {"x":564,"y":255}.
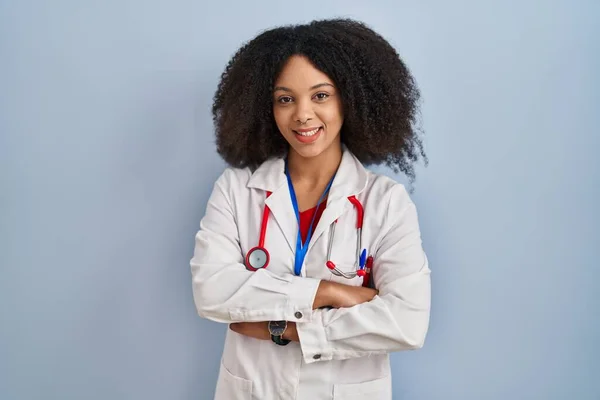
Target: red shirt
{"x":306,"y":217}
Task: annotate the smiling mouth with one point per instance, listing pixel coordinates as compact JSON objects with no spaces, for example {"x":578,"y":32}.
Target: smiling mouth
{"x":308,"y":133}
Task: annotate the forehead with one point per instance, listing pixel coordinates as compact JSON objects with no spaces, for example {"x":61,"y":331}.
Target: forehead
{"x":300,"y":74}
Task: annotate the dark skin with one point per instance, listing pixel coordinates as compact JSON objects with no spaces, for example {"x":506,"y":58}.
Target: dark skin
{"x":331,"y":294}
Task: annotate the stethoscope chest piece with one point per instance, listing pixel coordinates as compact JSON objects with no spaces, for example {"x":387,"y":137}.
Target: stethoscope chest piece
{"x":257,"y":258}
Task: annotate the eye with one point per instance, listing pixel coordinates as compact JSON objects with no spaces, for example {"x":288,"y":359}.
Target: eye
{"x":284,"y":99}
{"x":321,"y":96}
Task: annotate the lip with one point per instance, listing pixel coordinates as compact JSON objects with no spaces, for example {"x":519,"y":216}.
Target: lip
{"x":308,"y":139}
{"x":307,"y":129}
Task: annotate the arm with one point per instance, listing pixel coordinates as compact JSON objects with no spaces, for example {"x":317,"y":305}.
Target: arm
{"x":225,"y":291}
{"x":329,"y":293}
{"x":398,"y":317}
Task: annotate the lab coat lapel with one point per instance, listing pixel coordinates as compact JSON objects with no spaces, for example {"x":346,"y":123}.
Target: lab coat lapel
{"x":350,"y":179}
{"x":281,"y":207}
{"x":270,"y":176}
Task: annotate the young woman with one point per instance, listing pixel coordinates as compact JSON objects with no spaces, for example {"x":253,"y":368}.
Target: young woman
{"x":315,"y":262}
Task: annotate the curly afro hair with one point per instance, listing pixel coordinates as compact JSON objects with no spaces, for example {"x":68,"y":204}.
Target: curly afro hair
{"x":379,"y":95}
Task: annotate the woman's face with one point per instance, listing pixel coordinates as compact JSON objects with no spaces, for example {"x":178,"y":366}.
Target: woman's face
{"x":307,"y":108}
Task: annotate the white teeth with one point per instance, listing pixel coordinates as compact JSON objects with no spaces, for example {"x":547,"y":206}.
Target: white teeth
{"x":309,"y":133}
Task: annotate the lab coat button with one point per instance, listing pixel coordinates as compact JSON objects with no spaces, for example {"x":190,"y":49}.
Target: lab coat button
{"x":316,"y":356}
{"x":298,"y":314}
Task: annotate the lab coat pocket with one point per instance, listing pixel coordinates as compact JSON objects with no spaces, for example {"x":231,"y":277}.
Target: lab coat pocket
{"x":231,"y":387}
{"x":378,"y":389}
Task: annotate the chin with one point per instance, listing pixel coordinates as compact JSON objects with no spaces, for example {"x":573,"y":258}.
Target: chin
{"x":309,"y":151}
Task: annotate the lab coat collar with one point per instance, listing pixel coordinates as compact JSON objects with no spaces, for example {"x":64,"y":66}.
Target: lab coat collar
{"x":350,"y":179}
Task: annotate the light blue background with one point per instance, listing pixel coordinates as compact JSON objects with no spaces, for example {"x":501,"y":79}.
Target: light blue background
{"x":107,"y":159}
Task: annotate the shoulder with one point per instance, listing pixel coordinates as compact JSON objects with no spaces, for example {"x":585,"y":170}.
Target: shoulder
{"x":231,"y":175}
{"x":267,"y":176}
{"x":232,"y":178}
{"x":391,"y":193}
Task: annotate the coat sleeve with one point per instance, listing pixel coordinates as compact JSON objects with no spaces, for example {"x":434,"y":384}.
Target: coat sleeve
{"x":223,"y":289}
{"x":398,"y":317}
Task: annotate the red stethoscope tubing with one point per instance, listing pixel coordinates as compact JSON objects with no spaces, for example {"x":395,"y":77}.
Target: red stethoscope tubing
{"x":359,"y":211}
{"x":360,"y":267}
{"x":263,"y":225}
{"x":261,"y":241}
{"x":362,"y":271}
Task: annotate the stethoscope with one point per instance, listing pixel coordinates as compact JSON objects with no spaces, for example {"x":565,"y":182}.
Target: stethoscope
{"x":258,"y":257}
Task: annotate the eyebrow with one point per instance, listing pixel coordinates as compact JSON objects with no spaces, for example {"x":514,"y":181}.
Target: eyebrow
{"x":312,"y":88}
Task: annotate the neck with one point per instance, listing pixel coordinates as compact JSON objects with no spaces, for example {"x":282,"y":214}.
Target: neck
{"x":317,"y":170}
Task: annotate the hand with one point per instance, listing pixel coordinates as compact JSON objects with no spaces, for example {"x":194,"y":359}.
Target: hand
{"x":338,"y":295}
{"x":260,"y":330}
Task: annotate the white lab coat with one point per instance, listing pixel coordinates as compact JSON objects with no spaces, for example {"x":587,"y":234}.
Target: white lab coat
{"x":342,"y":353}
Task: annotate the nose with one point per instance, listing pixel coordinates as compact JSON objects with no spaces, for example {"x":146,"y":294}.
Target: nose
{"x":304,"y":111}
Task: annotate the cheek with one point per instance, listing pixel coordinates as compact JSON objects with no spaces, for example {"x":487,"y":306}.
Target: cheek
{"x":332,"y":117}
{"x":281,"y":118}
{"x":332,"y":114}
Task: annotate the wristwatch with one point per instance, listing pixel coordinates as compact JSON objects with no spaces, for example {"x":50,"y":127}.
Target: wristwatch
{"x":277,"y":329}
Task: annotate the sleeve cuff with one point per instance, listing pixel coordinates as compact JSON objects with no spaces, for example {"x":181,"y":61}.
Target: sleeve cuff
{"x":301,"y":297}
{"x":313,"y":340}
